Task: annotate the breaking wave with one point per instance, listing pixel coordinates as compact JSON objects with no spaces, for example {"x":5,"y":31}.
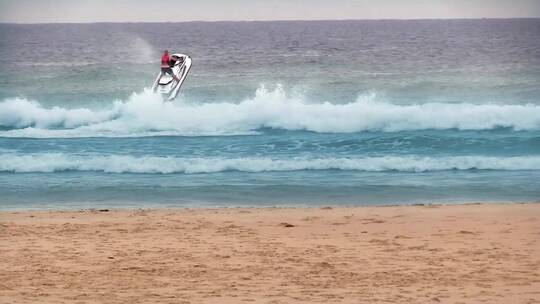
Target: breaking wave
{"x":144,"y":114}
{"x":58,"y":162}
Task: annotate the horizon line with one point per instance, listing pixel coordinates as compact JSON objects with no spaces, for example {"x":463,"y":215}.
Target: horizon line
{"x":277,"y":20}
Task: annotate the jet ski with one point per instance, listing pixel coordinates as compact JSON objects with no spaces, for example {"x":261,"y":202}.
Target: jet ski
{"x":165,"y":84}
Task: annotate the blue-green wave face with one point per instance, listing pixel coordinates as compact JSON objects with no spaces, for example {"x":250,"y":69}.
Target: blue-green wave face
{"x":272,"y":113}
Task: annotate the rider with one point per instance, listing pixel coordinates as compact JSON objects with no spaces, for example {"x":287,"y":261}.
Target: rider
{"x":166,"y":67}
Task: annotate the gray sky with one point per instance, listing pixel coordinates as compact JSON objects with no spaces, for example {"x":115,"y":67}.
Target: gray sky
{"x":44,"y":11}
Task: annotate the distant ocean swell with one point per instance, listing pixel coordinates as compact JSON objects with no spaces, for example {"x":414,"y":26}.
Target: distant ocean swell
{"x":144,"y":114}
{"x":58,"y":162}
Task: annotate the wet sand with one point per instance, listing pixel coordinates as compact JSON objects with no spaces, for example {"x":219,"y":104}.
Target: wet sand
{"x":405,"y":254}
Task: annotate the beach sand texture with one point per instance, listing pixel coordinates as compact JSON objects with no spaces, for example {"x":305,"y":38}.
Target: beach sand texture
{"x":400,"y":254}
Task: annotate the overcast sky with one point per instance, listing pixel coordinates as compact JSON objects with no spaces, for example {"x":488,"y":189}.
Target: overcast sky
{"x":44,"y":11}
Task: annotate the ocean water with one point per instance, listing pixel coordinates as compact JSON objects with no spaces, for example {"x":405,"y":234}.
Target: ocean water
{"x":272,"y":114}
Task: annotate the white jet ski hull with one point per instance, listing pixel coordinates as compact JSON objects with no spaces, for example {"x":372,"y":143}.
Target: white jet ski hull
{"x":166,"y":85}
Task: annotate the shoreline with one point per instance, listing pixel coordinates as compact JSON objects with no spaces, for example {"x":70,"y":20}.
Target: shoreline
{"x":114,"y":207}
{"x":457,"y":253}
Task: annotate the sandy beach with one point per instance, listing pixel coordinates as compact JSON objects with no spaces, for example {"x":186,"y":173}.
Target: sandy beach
{"x":399,"y":254}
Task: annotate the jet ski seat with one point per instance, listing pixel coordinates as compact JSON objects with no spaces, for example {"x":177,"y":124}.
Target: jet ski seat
{"x":165,"y":79}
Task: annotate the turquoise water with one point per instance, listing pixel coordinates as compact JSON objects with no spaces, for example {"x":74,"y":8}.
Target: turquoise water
{"x":273,"y":113}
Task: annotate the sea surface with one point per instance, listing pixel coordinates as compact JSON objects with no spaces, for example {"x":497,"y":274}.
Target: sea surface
{"x":285,"y":113}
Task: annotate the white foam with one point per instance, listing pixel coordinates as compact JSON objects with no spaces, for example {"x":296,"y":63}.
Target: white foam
{"x":22,"y":113}
{"x":54,"y":162}
{"x":144,"y":114}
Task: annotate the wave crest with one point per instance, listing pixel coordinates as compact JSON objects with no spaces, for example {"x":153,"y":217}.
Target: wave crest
{"x":145,"y":114}
{"x":57,"y":162}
